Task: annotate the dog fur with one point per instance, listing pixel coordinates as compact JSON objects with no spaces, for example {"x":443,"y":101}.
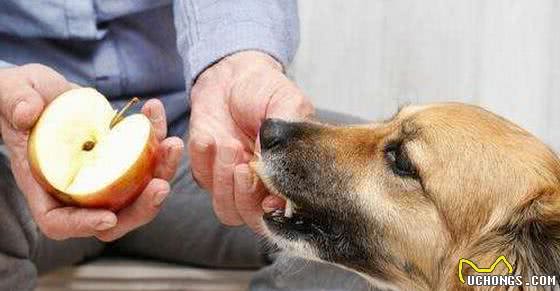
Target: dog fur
{"x":404,"y":199}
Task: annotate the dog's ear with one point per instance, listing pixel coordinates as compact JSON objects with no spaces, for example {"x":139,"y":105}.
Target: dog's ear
{"x":531,"y":238}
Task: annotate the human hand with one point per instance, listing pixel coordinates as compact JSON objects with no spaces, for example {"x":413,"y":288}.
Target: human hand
{"x":24,"y":93}
{"x":229,"y":101}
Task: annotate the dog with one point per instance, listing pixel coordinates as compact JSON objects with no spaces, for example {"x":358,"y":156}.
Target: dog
{"x":404,"y":200}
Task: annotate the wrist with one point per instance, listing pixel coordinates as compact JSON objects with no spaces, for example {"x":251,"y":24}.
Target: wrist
{"x":236,"y":66}
{"x":251,"y":57}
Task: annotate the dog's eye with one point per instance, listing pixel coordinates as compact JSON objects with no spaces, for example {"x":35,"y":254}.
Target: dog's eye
{"x":398,"y":160}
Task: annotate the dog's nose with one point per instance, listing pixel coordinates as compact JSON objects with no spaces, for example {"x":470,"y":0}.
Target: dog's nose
{"x":276,"y":133}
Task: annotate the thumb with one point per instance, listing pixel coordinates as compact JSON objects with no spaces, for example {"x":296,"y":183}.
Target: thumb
{"x":68,"y":222}
{"x":291,"y":105}
{"x":26,"y":109}
{"x":25,"y":90}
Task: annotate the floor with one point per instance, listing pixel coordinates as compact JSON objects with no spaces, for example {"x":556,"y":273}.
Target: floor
{"x":130,"y":275}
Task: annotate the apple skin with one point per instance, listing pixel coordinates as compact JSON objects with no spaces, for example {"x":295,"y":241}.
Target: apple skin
{"x":115,"y":196}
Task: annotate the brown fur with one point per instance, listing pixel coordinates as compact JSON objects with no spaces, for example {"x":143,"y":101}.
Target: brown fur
{"x":484,"y":188}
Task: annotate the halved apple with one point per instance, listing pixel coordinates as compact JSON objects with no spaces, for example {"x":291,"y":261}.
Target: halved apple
{"x":86,"y":154}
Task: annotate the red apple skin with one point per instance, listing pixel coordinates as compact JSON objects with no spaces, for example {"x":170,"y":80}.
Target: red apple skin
{"x":115,"y":196}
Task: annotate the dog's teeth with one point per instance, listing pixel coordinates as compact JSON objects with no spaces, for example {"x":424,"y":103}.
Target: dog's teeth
{"x":289,"y":211}
{"x":278,"y":212}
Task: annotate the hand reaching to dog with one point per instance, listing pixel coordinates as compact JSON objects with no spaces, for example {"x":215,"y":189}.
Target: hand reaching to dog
{"x":24,"y":93}
{"x":230,"y":100}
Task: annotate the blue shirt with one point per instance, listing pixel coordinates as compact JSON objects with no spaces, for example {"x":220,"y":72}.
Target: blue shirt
{"x":145,"y":48}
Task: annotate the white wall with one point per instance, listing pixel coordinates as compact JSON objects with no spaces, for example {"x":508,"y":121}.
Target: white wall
{"x":368,"y":56}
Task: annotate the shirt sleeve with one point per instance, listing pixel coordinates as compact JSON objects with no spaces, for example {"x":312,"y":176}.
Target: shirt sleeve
{"x":3,"y":65}
{"x":210,"y":30}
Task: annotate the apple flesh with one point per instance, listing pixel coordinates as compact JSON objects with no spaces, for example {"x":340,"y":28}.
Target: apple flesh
{"x":78,"y":154}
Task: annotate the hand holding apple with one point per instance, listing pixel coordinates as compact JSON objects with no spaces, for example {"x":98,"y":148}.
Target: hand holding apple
{"x":24,"y":93}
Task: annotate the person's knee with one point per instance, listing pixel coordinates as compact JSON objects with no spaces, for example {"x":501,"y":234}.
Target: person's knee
{"x":18,"y":236}
{"x":18,"y":232}
{"x":17,"y":273}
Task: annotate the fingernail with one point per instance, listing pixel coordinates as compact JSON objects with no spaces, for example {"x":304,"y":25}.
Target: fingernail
{"x":106,"y":223}
{"x":160,"y":197}
{"x":271,"y":203}
{"x":226,"y":155}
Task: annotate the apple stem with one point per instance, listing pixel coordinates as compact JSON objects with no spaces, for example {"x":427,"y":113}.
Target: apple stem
{"x":119,"y":115}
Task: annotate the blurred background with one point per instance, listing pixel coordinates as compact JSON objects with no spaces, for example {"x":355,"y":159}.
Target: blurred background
{"x":366,"y":57}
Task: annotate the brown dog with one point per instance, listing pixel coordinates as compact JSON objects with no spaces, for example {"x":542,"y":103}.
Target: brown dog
{"x":404,"y":200}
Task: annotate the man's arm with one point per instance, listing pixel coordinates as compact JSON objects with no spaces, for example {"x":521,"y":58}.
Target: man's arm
{"x":234,"y":53}
{"x":207,"y":31}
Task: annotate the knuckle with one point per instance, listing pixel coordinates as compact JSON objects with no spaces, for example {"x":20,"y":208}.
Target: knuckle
{"x":230,"y":144}
{"x":199,"y":147}
{"x":191,"y":142}
{"x":11,"y":96}
{"x":203,"y":91}
{"x":13,"y":99}
{"x":195,"y":94}
{"x":50,"y":231}
{"x":205,"y":78}
{"x":228,"y":218}
{"x":224,"y":177}
{"x":37,"y":73}
{"x":35,"y":67}
{"x":6,"y":77}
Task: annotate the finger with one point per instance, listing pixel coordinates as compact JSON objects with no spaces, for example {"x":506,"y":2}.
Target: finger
{"x":22,"y":108}
{"x":289,"y":103}
{"x":46,"y":81}
{"x":25,"y":93}
{"x":170,"y":152}
{"x":202,"y":150}
{"x":142,"y":211}
{"x":154,"y":110}
{"x":223,"y":195}
{"x":75,"y":85}
{"x":271,"y":203}
{"x":249,"y":194}
{"x":257,"y":151}
{"x":67,"y":222}
{"x":16,"y":142}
